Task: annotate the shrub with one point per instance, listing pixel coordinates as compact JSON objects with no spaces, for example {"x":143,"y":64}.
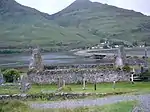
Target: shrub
{"x":11,"y":74}
{"x":126,"y":68}
{"x":13,"y":106}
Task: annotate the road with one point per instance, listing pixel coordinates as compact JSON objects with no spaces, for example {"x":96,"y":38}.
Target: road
{"x":143,"y":99}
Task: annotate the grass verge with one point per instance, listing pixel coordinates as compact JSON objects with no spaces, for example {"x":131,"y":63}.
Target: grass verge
{"x":17,"y":106}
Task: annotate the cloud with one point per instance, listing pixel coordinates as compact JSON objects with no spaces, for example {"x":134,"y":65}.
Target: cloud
{"x":53,"y":6}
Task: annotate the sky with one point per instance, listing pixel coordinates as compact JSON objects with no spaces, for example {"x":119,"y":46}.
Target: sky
{"x":53,"y":6}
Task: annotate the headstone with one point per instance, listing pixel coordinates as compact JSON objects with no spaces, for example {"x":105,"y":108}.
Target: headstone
{"x":36,"y":61}
{"x":121,"y":57}
{"x":64,"y":83}
{"x":25,"y":86}
{"x":132,"y":78}
{"x":60,"y":84}
{"x":1,"y":78}
{"x":14,"y":80}
{"x":84,"y":83}
{"x":114,"y":84}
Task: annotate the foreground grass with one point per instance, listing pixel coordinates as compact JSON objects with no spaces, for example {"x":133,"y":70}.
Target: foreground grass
{"x":17,"y":106}
{"x":101,"y":88}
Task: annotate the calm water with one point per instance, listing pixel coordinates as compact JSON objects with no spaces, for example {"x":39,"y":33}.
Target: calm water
{"x":48,"y":59}
{"x":54,"y":58}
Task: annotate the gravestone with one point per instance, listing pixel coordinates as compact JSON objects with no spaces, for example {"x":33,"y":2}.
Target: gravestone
{"x":114,"y":84}
{"x":84,"y":83}
{"x":60,"y":82}
{"x":1,"y":78}
{"x":121,"y":57}
{"x":64,"y":83}
{"x":132,"y":76}
{"x":24,"y":85}
{"x":36,"y":62}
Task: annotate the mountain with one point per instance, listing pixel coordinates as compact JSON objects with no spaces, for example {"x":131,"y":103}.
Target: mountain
{"x":22,"y":27}
{"x":81,"y":24}
{"x":104,"y":21}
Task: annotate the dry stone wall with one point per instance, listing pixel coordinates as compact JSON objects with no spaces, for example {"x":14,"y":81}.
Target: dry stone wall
{"x":77,"y":75}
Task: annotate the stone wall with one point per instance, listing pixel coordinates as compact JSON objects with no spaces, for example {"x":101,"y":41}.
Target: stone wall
{"x":77,"y":75}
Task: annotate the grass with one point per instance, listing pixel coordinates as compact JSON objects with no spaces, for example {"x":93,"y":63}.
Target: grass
{"x":17,"y":106}
{"x":101,"y":88}
{"x":13,"y":106}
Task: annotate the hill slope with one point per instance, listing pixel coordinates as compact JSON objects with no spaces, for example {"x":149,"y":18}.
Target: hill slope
{"x":80,"y":24}
{"x":21,"y":27}
{"x":104,"y":20}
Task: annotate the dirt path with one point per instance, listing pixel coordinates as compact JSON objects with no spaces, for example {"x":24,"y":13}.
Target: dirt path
{"x":143,"y":99}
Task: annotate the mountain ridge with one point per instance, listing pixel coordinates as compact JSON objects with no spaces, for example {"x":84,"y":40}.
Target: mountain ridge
{"x":104,"y":20}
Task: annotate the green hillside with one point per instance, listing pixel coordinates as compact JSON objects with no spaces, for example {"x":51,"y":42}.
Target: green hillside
{"x":104,"y":20}
{"x":81,"y":24}
{"x":23,"y":27}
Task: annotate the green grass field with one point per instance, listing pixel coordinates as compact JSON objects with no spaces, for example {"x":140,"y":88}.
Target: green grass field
{"x":101,"y":88}
{"x":17,"y":106}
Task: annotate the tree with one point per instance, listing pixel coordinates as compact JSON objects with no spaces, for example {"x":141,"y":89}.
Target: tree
{"x":11,"y":74}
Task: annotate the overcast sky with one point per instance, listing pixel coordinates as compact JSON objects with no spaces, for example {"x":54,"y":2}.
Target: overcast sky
{"x":53,"y":6}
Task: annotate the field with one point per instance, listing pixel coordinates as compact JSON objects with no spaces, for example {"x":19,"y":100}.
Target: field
{"x":101,"y":88}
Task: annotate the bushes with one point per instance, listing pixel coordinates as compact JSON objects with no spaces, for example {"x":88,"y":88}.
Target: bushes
{"x":13,"y":106}
{"x":126,"y":68}
{"x":11,"y":74}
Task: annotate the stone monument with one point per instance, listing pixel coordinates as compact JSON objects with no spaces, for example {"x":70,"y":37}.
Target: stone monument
{"x":60,"y":82}
{"x":1,"y":78}
{"x":64,"y":83}
{"x":114,"y":84}
{"x":121,"y":57}
{"x":36,"y":61}
{"x":24,"y":85}
{"x":84,"y":83}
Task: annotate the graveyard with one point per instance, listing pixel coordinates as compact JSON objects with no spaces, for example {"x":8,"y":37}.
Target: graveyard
{"x":46,"y":85}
